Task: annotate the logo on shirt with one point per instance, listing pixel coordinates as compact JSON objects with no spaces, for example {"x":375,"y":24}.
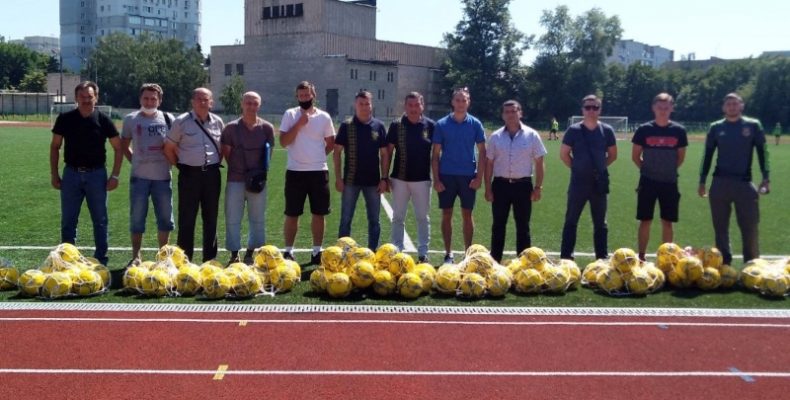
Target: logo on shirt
{"x":746,"y":132}
{"x":425,"y":134}
{"x":721,"y":133}
{"x":662,"y":141}
{"x":374,"y":135}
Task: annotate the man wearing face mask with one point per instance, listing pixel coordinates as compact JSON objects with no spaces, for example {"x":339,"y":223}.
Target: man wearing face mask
{"x":193,"y":146}
{"x":309,"y":136}
{"x":146,"y":130}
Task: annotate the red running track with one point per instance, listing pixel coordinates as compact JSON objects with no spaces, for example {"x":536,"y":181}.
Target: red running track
{"x":176,"y":355}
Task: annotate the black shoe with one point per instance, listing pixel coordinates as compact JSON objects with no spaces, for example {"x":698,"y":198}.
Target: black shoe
{"x":315,"y":259}
{"x":449,"y":259}
{"x":288,"y":255}
{"x":133,"y":262}
{"x":248,"y":256}
{"x":422,"y":259}
{"x":234,"y":257}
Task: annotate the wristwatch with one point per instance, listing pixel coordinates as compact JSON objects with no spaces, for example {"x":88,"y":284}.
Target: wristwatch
{"x":114,"y":177}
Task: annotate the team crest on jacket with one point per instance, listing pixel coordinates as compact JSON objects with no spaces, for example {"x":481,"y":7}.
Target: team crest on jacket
{"x":374,"y":135}
{"x":425,"y":134}
{"x":746,"y":132}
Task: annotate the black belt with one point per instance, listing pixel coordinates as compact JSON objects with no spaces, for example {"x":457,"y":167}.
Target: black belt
{"x":198,"y":168}
{"x":84,"y":169}
{"x":513,"y":180}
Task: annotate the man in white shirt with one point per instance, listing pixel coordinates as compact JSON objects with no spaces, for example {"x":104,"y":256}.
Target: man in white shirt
{"x":514,"y":152}
{"x":309,"y":136}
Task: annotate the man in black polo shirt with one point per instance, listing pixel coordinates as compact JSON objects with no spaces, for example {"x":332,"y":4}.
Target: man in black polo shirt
{"x":659,"y":148}
{"x":84,"y":132}
{"x":410,"y":138}
{"x":363,"y":140}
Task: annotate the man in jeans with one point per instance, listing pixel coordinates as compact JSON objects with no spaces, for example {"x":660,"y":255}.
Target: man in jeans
{"x":146,"y":130}
{"x":84,"y":131}
{"x":363,"y":140}
{"x":512,"y":152}
{"x":588,"y":148}
{"x":410,"y":138}
{"x":246,"y":145}
{"x":735,"y":137}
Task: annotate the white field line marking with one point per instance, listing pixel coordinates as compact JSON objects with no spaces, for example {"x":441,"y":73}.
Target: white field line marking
{"x":616,"y":374}
{"x":408,"y":245}
{"x":395,"y":322}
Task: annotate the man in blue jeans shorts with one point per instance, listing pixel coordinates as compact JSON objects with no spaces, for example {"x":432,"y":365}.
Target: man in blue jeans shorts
{"x":84,"y":132}
{"x":146,"y":129}
{"x":456,"y":171}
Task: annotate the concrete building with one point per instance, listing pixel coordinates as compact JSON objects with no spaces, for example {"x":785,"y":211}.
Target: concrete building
{"x":42,"y":44}
{"x":627,"y":52}
{"x":333,"y":44}
{"x":84,"y":22}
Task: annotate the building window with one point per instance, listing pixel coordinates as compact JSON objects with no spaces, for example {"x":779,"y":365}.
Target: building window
{"x":298,"y":10}
{"x":240,"y":69}
{"x":228,"y":69}
{"x":354,"y":74}
{"x":372,"y":75}
{"x":289,"y":10}
{"x":390,"y":77}
{"x":267,"y":12}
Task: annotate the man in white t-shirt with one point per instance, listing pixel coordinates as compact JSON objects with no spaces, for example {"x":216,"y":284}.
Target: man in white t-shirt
{"x":309,"y":136}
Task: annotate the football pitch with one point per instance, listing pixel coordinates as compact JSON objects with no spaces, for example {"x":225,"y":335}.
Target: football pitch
{"x":30,"y":221}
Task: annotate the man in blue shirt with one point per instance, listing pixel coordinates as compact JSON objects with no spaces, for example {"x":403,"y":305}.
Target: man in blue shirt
{"x":588,"y":148}
{"x":456,"y":171}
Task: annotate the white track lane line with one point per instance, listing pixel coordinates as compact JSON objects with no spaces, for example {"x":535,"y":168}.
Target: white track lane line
{"x":408,"y":245}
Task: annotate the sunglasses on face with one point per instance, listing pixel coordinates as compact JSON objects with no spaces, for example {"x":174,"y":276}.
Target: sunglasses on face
{"x":592,"y":108}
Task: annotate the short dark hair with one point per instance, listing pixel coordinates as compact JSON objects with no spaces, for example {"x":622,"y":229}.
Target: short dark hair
{"x":733,"y":95}
{"x":464,"y":90}
{"x":591,"y":97}
{"x":664,"y":97}
{"x":364,"y":94}
{"x":85,"y":85}
{"x":152,"y":87}
{"x":511,"y":103}
{"x":306,"y":85}
{"x":414,"y":95}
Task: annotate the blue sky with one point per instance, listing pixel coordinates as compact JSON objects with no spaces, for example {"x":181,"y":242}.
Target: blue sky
{"x":725,"y":28}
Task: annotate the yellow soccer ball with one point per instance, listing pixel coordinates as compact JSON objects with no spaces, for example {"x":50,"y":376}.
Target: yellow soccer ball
{"x":8,"y":278}
{"x":103,"y":272}
{"x":384,"y":254}
{"x":775,"y":283}
{"x":338,"y":285}
{"x":610,"y":281}
{"x":573,"y":271}
{"x":474,"y":249}
{"x":209,"y":270}
{"x":427,"y":273}
{"x":318,"y":280}
{"x":87,"y":283}
{"x":385,"y":284}
{"x":56,"y":285}
{"x":156,"y":283}
{"x":332,"y":259}
{"x":480,"y":263}
{"x":361,"y":254}
{"x":555,"y":279}
{"x":667,"y":256}
{"x":284,"y":277}
{"x":514,"y":265}
{"x":245,"y":283}
{"x":216,"y":285}
{"x":729,"y":276}
{"x":533,"y":257}
{"x":187,"y":281}
{"x":639,"y":281}
{"x":498,"y":282}
{"x":447,"y":280}
{"x":710,"y":279}
{"x":172,"y":253}
{"x":400,"y":264}
{"x":528,"y":280}
{"x":238,"y":267}
{"x":68,"y":252}
{"x":624,"y":260}
{"x":267,"y":257}
{"x":362,"y":274}
{"x":590,"y":273}
{"x":30,"y":282}
{"x":677,"y":278}
{"x":133,"y":277}
{"x":410,"y":285}
{"x":347,"y":244}
{"x":472,"y":286}
{"x":657,"y":277}
{"x":712,"y":257}
{"x":752,"y":277}
{"x":691,"y":267}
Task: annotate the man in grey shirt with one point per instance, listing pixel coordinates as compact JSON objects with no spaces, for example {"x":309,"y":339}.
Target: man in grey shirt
{"x":142,"y":141}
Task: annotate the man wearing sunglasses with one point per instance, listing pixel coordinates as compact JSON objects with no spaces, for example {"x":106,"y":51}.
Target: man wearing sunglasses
{"x":588,"y":148}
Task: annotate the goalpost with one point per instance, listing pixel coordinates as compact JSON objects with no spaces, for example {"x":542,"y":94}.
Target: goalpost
{"x":57,"y":109}
{"x":619,"y":124}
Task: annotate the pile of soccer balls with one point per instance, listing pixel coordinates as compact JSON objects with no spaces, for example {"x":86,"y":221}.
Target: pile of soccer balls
{"x":9,"y":275}
{"x":347,"y":267}
{"x":769,"y":278}
{"x":702,"y":268}
{"x":173,"y":275}
{"x":623,"y":274}
{"x":476,"y":276}
{"x":533,"y":272}
{"x":65,"y":273}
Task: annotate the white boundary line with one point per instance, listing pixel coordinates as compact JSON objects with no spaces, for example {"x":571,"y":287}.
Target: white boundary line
{"x":396,"y":309}
{"x":616,"y":374}
{"x":396,"y":322}
{"x":406,"y":243}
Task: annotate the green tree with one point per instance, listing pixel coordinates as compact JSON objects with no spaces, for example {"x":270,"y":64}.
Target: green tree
{"x":122,"y":63}
{"x":484,"y":54}
{"x":34,"y":81}
{"x":16,"y":61}
{"x":231,"y":95}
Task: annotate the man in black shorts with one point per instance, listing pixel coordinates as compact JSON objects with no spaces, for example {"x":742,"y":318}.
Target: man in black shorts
{"x":659,"y":148}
